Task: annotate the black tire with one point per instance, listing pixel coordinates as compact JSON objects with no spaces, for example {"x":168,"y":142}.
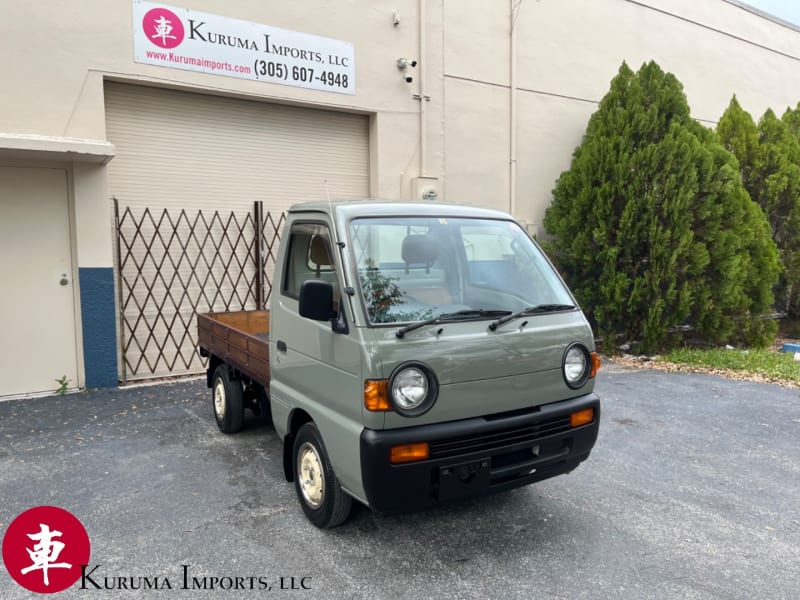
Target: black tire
{"x":227,"y":401}
{"x":324,"y":502}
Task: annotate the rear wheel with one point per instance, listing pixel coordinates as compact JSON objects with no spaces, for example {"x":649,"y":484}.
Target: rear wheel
{"x":322,"y":498}
{"x":228,"y":401}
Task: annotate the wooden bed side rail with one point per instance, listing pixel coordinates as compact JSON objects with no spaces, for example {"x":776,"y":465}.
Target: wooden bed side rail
{"x":240,"y":339}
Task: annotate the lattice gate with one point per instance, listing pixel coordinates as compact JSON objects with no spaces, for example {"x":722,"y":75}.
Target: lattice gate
{"x":172,"y":265}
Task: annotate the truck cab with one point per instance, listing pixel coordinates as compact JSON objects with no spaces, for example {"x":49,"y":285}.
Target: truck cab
{"x":421,"y":354}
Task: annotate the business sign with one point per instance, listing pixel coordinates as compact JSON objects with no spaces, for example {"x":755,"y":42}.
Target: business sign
{"x":46,"y":550}
{"x":180,"y":38}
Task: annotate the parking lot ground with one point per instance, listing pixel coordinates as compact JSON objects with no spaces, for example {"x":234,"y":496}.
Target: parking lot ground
{"x":693,"y":491}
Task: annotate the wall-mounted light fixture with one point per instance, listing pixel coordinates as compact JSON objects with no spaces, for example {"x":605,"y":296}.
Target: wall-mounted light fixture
{"x":430,"y":194}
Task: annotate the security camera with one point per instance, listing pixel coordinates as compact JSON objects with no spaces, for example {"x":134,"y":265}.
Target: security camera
{"x":409,"y":79}
{"x":404,"y":63}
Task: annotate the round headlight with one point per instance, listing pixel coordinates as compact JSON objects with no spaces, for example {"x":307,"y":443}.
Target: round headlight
{"x":412,"y":389}
{"x":577,"y":365}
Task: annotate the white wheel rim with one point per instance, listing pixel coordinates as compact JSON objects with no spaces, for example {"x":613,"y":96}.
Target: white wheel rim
{"x":219,"y":399}
{"x":310,"y":475}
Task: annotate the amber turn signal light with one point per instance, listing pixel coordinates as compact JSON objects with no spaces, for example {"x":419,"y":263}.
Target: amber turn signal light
{"x":582,"y":417}
{"x":376,"y":395}
{"x":595,"y":364}
{"x":409,"y":453}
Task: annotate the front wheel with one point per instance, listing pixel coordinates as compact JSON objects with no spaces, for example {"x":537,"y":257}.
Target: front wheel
{"x":324,"y":502}
{"x":228,"y":398}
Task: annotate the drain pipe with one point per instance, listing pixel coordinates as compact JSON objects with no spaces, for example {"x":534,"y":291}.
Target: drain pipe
{"x":423,"y":91}
{"x":512,"y":125}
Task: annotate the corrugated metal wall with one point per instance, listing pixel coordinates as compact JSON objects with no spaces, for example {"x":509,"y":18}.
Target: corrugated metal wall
{"x":179,"y":151}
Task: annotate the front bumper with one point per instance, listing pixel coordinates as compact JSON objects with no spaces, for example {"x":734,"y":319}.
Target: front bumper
{"x":478,"y":456}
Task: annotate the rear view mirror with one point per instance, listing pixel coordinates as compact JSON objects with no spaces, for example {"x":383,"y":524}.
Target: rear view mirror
{"x":316,"y":300}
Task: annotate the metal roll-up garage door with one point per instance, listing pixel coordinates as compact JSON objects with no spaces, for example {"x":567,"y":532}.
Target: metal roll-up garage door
{"x":187,"y":170}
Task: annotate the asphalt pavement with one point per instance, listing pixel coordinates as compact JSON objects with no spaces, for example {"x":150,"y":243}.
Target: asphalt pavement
{"x":692,"y":491}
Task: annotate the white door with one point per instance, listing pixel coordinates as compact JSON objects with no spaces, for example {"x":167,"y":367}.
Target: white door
{"x":37,"y":312}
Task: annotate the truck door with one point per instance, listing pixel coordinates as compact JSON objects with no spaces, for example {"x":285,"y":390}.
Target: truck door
{"x":313,"y":368}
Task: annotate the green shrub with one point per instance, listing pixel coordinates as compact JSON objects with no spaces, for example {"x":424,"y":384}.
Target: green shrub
{"x":652,"y":227}
{"x":769,"y":158}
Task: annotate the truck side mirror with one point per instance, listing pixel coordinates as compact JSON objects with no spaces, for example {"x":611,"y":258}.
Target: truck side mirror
{"x":316,"y":300}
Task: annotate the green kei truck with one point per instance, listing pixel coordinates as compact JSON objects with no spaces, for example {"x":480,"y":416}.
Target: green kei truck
{"x":413,"y":354}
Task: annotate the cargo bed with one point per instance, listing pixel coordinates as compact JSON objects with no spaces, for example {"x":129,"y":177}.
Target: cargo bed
{"x":240,"y":339}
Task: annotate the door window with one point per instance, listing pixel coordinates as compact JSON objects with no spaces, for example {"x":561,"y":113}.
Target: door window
{"x":310,"y":256}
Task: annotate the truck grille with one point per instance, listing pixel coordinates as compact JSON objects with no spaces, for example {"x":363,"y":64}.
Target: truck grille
{"x":493,"y":440}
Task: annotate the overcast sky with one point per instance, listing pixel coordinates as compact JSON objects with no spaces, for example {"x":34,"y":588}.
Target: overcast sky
{"x":788,"y":10}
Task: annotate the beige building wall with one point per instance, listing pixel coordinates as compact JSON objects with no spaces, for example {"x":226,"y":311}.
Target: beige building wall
{"x":54,"y":87}
{"x":567,"y":51}
{"x":500,"y":96}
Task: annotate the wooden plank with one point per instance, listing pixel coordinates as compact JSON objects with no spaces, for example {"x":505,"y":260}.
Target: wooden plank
{"x":240,"y":338}
{"x":248,"y":321}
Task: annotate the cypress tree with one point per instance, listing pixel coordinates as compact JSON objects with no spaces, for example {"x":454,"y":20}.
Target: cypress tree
{"x":769,"y":159}
{"x":651,"y":225}
{"x":739,"y":135}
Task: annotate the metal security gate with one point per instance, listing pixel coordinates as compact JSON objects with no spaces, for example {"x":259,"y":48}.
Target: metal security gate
{"x":173,"y":264}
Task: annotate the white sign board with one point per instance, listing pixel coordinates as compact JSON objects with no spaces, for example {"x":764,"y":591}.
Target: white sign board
{"x":180,"y":38}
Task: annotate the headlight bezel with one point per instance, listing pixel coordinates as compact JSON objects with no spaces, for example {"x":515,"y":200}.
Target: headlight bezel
{"x":587,"y":366}
{"x":430,"y":397}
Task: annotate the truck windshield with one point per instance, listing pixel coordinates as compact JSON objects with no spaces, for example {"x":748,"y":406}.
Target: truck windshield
{"x":415,"y":269}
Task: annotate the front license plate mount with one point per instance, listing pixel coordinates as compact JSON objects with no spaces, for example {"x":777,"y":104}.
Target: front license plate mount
{"x":464,"y":479}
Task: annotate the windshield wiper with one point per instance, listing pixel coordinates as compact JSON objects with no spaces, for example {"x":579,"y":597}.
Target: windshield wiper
{"x":531,"y":310}
{"x":460,"y":315}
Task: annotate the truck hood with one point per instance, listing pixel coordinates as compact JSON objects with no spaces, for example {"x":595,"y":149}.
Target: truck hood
{"x":484,"y":372}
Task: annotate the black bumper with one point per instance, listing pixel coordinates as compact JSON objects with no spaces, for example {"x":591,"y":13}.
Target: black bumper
{"x":474,"y":457}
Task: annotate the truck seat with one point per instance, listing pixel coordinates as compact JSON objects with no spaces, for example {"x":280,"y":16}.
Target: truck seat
{"x":319,"y":253}
{"x":419,"y":250}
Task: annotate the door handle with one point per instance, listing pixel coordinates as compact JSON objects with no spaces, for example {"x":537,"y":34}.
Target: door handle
{"x":281,"y":346}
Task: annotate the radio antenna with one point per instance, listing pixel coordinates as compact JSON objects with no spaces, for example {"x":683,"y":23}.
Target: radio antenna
{"x":328,"y":194}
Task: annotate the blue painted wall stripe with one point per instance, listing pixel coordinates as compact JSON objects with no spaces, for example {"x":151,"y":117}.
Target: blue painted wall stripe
{"x":98,"y":313}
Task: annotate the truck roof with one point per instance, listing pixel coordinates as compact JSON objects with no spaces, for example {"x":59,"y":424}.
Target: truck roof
{"x":348,"y":209}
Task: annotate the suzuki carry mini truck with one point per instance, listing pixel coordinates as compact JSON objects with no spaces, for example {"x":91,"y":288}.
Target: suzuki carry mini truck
{"x":413,"y":354}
